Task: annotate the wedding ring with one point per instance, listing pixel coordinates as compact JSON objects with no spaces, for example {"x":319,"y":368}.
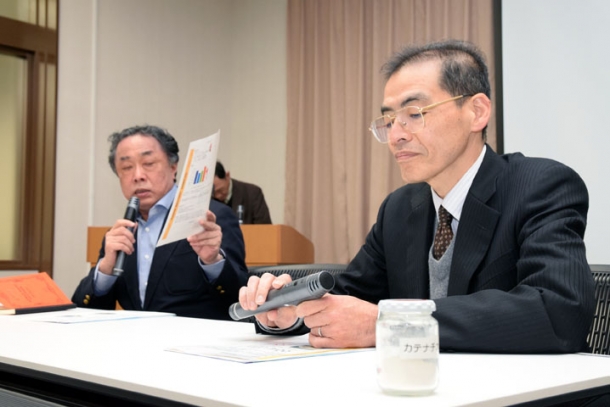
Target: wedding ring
{"x":320,"y":332}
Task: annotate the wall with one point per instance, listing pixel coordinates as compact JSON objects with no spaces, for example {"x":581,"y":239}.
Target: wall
{"x":258,"y":103}
{"x":191,"y":66}
{"x":556,"y":87}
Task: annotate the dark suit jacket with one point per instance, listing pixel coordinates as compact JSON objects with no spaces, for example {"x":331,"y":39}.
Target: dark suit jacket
{"x":177,"y":282}
{"x":519,"y":280}
{"x":253,"y":201}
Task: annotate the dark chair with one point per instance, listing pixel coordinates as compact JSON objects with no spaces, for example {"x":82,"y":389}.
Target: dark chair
{"x":298,"y":270}
{"x":599,"y":334}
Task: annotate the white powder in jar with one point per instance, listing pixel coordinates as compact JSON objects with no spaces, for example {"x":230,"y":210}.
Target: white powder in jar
{"x":405,"y":376}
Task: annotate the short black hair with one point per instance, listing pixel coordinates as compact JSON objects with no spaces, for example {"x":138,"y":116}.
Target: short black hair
{"x":463,"y":69}
{"x":220,"y":170}
{"x":167,"y":141}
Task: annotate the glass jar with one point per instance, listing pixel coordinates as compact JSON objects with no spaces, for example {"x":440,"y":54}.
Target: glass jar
{"x":407,"y":345}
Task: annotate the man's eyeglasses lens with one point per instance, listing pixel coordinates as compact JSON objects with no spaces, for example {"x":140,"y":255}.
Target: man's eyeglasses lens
{"x":410,"y":118}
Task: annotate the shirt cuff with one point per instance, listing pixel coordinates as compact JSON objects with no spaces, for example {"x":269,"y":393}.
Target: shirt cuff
{"x":212,"y":271}
{"x":102,"y":283}
{"x":298,"y":324}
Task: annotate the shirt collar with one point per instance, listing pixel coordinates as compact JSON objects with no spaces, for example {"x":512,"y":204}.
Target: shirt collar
{"x":230,"y":194}
{"x":164,"y":203}
{"x":454,"y":200}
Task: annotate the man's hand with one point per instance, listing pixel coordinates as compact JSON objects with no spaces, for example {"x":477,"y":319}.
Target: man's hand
{"x":255,"y":294}
{"x":119,"y":238}
{"x":207,"y":243}
{"x":339,"y":321}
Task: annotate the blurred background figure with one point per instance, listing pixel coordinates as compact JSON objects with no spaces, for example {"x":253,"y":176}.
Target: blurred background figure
{"x":246,"y":200}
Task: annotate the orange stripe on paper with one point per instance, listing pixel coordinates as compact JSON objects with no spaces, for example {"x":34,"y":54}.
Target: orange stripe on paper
{"x":177,"y":203}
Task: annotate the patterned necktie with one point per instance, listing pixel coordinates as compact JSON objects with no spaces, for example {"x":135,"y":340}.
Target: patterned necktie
{"x":444,"y":234}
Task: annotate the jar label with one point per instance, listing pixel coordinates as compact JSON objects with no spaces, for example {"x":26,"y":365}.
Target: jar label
{"x":418,"y":348}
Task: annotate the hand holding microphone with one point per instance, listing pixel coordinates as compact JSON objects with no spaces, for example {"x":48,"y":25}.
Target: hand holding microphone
{"x":307,"y":288}
{"x":130,"y":214}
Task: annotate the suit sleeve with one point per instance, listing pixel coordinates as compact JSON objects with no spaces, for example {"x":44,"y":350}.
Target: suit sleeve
{"x":366,"y":275}
{"x":84,"y":295}
{"x":234,"y":274}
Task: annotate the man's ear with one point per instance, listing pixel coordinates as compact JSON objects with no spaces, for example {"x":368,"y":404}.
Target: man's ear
{"x":174,"y":168}
{"x":228,"y":175}
{"x":481,"y":108}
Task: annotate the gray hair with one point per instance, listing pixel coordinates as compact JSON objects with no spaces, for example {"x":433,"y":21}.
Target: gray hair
{"x":167,"y":141}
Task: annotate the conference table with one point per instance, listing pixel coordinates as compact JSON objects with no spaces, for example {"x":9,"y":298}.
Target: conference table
{"x":131,"y":360}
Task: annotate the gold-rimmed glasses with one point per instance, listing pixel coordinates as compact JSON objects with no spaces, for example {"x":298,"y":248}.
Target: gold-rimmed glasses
{"x":411,"y":118}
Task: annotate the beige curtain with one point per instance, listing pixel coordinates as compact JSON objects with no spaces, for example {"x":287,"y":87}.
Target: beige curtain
{"x":336,"y":173}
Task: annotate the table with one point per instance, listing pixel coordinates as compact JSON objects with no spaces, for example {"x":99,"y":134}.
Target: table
{"x":128,"y":359}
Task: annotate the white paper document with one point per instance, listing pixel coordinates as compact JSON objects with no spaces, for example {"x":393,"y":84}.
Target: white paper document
{"x":264,"y":349}
{"x":80,"y":315}
{"x":194,"y":191}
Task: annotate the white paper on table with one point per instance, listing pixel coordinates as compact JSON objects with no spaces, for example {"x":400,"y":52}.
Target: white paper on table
{"x":265,"y":349}
{"x":80,"y":315}
{"x":194,"y":191}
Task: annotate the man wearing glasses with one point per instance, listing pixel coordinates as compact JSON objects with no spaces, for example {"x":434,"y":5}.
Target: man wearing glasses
{"x":495,"y":241}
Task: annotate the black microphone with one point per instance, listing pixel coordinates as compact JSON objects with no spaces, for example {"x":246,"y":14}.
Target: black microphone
{"x":130,"y":214}
{"x":306,"y":288}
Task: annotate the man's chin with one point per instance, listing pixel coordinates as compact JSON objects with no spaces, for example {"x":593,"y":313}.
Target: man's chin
{"x":146,"y":203}
{"x":409,"y":178}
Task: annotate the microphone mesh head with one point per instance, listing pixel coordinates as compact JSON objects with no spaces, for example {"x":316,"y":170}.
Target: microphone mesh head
{"x":323,"y":280}
{"x":134,"y":202}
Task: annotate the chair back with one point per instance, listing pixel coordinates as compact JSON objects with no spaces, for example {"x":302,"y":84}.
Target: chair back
{"x":298,"y":270}
{"x":599,"y":334}
{"x":95,"y":236}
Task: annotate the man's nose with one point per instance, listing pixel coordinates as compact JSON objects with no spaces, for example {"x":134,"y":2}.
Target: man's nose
{"x":398,"y":132}
{"x":138,"y":174}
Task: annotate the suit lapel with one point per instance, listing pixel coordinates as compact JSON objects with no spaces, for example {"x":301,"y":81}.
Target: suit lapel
{"x":420,"y":223}
{"x":157,"y":268}
{"x":161,"y":256}
{"x":131,"y":279}
{"x":477,"y":225}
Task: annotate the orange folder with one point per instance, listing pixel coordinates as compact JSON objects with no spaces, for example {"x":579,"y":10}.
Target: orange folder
{"x":31,"y":293}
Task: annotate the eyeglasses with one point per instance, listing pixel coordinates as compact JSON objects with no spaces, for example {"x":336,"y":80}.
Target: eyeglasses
{"x":411,"y":118}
